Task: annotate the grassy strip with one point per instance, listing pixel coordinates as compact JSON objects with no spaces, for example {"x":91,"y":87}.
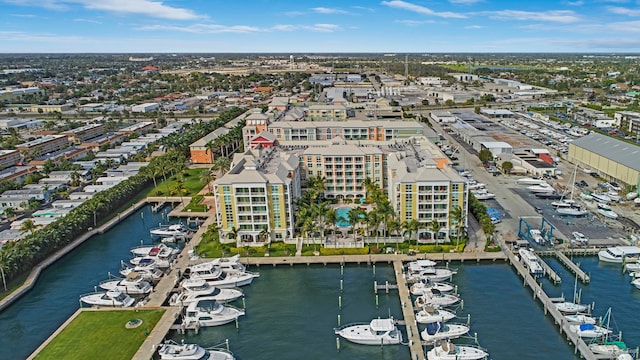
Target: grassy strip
{"x":192,"y":184}
{"x":101,"y":335}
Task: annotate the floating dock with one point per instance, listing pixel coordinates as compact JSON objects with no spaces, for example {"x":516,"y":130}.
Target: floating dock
{"x":573,"y":267}
{"x":408,"y":313}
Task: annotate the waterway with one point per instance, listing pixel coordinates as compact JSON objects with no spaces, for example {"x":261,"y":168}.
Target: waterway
{"x":291,"y":311}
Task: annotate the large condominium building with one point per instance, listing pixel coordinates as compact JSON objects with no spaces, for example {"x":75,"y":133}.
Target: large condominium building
{"x":628,"y":121}
{"x":258,"y":194}
{"x":373,"y":130}
{"x":344,"y":166}
{"x":79,"y":135}
{"x":9,"y":158}
{"x":425,"y":189}
{"x":44,"y":145}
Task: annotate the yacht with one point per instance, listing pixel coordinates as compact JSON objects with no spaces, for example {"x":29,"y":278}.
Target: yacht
{"x":176,"y":230}
{"x":449,"y":351}
{"x":173,"y":351}
{"x":605,"y":210}
{"x":216,"y":277}
{"x":162,"y":255}
{"x":150,"y":274}
{"x":580,"y":319}
{"x":572,"y":211}
{"x":432,"y":314}
{"x":636,"y":282}
{"x":530,"y":181}
{"x":633,"y":268}
{"x":377,"y":332}
{"x":148,"y":250}
{"x":133,"y":284}
{"x":196,"y":289}
{"x":434,"y":297}
{"x":530,"y":260}
{"x":563,"y":203}
{"x":204,"y":313}
{"x":619,"y":254}
{"x":112,"y":298}
{"x":570,"y":307}
{"x":230,"y":265}
{"x":541,"y":188}
{"x":440,"y":331}
{"x":536,"y":235}
{"x":601,"y":198}
{"x":425,"y":285}
{"x":589,"y":331}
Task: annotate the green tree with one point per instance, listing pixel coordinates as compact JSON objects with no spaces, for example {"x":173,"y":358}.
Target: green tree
{"x":27,"y":226}
{"x":485,"y":155}
{"x":507,"y":166}
{"x":411,"y":226}
{"x":435,"y":227}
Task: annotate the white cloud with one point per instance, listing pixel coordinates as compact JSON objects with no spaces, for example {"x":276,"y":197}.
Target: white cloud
{"x":284,"y":27}
{"x":623,"y":11}
{"x":415,"y":22}
{"x":294,"y":13}
{"x":575,"y":3}
{"x":324,"y":10}
{"x":475,"y":27}
{"x":625,"y":26}
{"x":465,"y":2}
{"x":322,"y":27}
{"x":205,"y":28}
{"x":88,"y":21}
{"x":20,"y":36}
{"x":399,"y":4}
{"x":560,"y":16}
{"x":150,"y":8}
{"x":27,"y":16}
{"x":364,"y":8}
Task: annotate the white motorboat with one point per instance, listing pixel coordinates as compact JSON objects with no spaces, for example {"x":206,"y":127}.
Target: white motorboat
{"x":631,"y":195}
{"x":530,"y":181}
{"x":632,"y":267}
{"x":377,"y":332}
{"x":112,"y":298}
{"x":619,"y":254}
{"x":433,"y":275}
{"x":216,"y":277}
{"x":196,"y":289}
{"x":133,"y":284}
{"x":580,"y":319}
{"x":572,"y":211}
{"x":610,"y":348}
{"x":449,"y":351}
{"x":175,"y":230}
{"x":636,"y":282}
{"x":536,"y":235}
{"x":434,"y":297}
{"x":162,"y":255}
{"x":613,"y":195}
{"x":570,"y":307}
{"x":476,"y":186}
{"x":173,"y":351}
{"x":425,"y":286}
{"x":432,"y":314}
{"x":150,"y":274}
{"x":541,"y":188}
{"x":589,"y":331}
{"x":484,"y":196}
{"x":530,"y":260}
{"x":601,"y":198}
{"x":204,"y":313}
{"x":149,"y":250}
{"x":605,"y":210}
{"x":563,"y":203}
{"x":419,"y":265}
{"x":230,"y":265}
{"x":585,"y":196}
{"x":440,"y":331}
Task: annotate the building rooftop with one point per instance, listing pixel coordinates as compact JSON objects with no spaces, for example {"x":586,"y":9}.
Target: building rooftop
{"x":202,"y":142}
{"x":613,"y":149}
{"x":41,"y":140}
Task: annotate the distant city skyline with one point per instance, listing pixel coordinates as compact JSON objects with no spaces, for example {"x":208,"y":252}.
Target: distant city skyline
{"x":260,"y":26}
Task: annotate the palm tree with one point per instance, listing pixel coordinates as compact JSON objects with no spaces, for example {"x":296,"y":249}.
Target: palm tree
{"x":435,"y":227}
{"x":354,"y":218}
{"x":233,"y":234}
{"x":319,"y":211}
{"x":457,"y":216}
{"x":264,"y":233}
{"x":221,"y":164}
{"x":206,"y":177}
{"x":27,"y":226}
{"x":411,"y":226}
{"x":9,"y":212}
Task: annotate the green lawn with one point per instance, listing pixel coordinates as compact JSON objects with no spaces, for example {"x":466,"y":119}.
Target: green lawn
{"x":101,"y":335}
{"x":192,"y":184}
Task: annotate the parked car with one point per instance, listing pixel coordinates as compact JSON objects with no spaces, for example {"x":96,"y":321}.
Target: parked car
{"x":614,"y":186}
{"x":538,"y":209}
{"x":584,"y":183}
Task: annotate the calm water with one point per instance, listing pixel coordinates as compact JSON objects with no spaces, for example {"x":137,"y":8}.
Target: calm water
{"x":291,"y":311}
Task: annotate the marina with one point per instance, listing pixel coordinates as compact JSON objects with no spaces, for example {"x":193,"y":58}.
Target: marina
{"x":348,"y":280}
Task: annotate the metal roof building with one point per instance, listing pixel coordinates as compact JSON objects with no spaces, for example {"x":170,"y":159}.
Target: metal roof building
{"x":610,"y":158}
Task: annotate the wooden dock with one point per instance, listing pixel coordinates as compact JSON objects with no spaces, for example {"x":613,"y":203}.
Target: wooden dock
{"x":550,"y":273}
{"x":549,"y":308}
{"x":386,"y":287}
{"x":408,"y":313}
{"x":573,"y":267}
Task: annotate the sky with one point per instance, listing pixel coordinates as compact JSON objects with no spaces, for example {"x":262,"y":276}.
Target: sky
{"x":330,"y":26}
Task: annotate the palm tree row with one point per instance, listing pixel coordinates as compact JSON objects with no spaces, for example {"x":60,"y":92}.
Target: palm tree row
{"x":226,"y":144}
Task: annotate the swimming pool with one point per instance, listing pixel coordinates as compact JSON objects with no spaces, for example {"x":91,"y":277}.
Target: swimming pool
{"x":344,"y":213}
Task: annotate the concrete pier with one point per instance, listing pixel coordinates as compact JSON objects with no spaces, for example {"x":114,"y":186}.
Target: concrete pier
{"x":573,"y":267}
{"x":409,"y":314}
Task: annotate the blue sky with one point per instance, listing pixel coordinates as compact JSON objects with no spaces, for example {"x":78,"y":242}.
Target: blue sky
{"x":416,"y":26}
